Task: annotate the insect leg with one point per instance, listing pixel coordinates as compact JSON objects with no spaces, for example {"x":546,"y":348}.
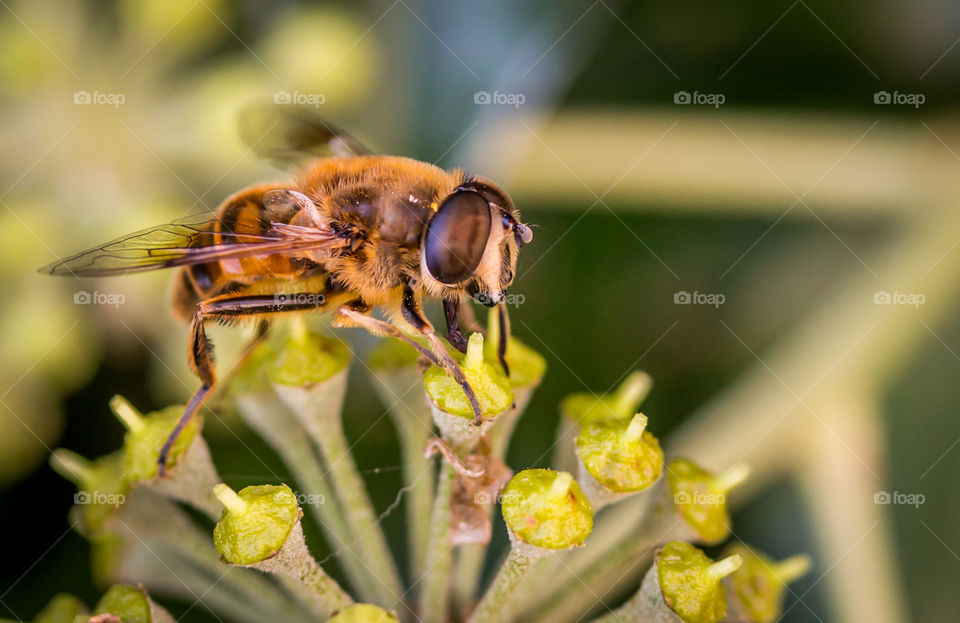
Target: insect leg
{"x":454,"y":334}
{"x":224,"y":309}
{"x":469,"y":320}
{"x":413,"y":314}
{"x":350,"y":316}
{"x":504,"y":337}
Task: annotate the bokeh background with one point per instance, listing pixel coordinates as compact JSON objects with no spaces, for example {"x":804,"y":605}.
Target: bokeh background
{"x":797,"y":160}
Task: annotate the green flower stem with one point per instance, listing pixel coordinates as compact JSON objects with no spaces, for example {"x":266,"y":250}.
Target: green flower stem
{"x":167,"y":573}
{"x":434,"y":598}
{"x":756,"y":590}
{"x":190,"y":470}
{"x":264,"y":412}
{"x":508,"y":579}
{"x":325,"y":428}
{"x":682,"y":586}
{"x":578,"y":409}
{"x":454,"y":419}
{"x":260,"y":527}
{"x":544,"y":511}
{"x":398,"y":383}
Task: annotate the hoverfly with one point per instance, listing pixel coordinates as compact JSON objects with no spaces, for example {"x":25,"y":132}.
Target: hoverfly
{"x":351,"y":232}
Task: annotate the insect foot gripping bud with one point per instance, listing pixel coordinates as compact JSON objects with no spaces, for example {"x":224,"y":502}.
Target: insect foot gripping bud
{"x":450,"y":406}
{"x":682,"y":586}
{"x":260,"y":528}
{"x":127,"y":603}
{"x":577,"y":410}
{"x":190,"y":472}
{"x":544,"y":511}
{"x":617,"y":459}
{"x":363,"y":613}
{"x":700,"y":498}
{"x":756,"y":590}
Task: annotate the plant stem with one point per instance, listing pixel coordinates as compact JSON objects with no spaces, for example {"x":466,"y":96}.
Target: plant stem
{"x":512,"y":572}
{"x":435,"y":597}
{"x":264,"y":412}
{"x":326,"y":430}
{"x":294,"y":561}
{"x":401,"y":388}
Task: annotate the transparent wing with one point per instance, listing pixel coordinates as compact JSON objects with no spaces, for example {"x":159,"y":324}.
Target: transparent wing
{"x":289,"y":135}
{"x":193,"y":240}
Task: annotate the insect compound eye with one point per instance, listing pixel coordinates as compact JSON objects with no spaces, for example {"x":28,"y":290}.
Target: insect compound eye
{"x":456,"y":237}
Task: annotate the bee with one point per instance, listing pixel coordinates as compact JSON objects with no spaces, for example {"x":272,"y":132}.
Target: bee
{"x":351,"y":232}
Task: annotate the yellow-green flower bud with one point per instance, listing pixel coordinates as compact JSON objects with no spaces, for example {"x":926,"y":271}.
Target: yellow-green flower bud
{"x":393,"y":353}
{"x":692,"y":583}
{"x":546,"y":509}
{"x":63,"y":608}
{"x":701,"y":498}
{"x":101,"y":486}
{"x":146,"y":435}
{"x":307,"y":357}
{"x":256,"y":522}
{"x":363,"y":613}
{"x":131,"y":605}
{"x":623,"y":457}
{"x":527,"y":366}
{"x":759,"y":585}
{"x":488,"y":381}
{"x":619,"y":406}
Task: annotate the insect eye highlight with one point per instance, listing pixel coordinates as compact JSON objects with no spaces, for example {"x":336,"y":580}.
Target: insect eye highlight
{"x":457,"y":237}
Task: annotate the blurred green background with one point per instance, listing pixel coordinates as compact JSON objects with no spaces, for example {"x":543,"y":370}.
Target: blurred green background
{"x":798,"y":199}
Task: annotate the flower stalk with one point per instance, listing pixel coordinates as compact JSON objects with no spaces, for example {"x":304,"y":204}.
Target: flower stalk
{"x":264,"y":412}
{"x":398,"y":382}
{"x":310,"y":378}
{"x":453,"y":416}
{"x":527,"y":368}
